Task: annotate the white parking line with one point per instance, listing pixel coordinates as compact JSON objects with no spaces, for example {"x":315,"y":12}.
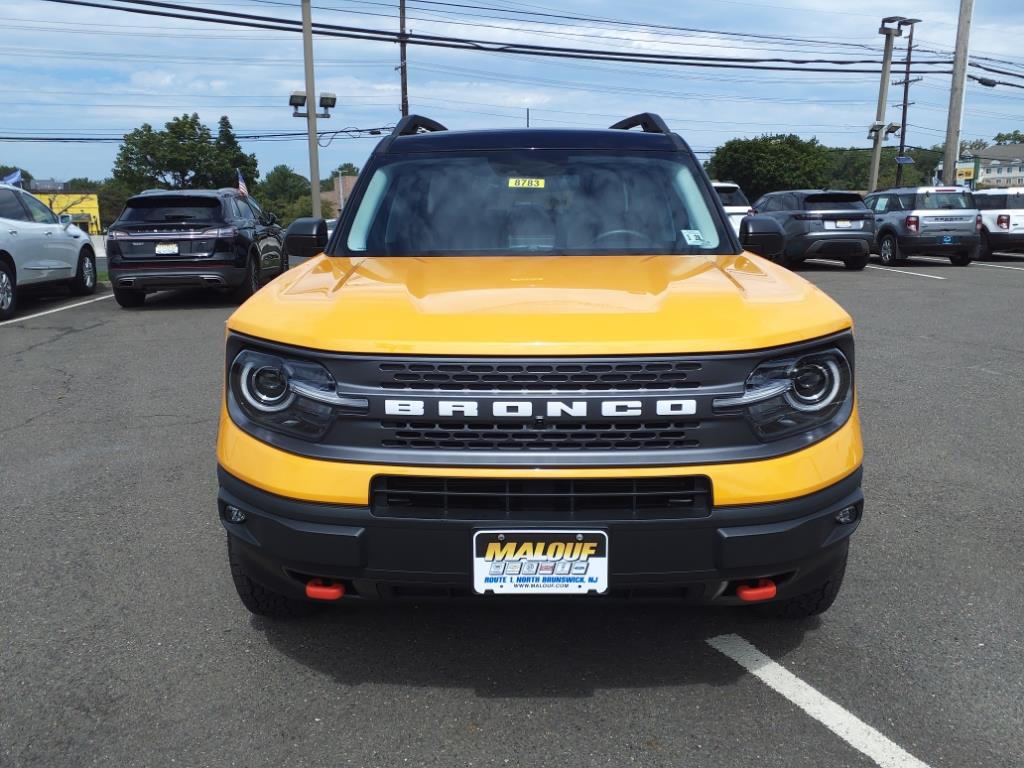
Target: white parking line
{"x":58,"y":309}
{"x":841,"y":722}
{"x":905,"y":272}
{"x":937,"y":260}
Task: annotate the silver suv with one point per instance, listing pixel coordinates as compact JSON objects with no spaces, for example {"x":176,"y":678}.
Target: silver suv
{"x":937,"y":220}
{"x":1002,"y":219}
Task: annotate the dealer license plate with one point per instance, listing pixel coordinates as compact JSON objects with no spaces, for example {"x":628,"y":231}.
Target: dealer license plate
{"x":948,"y":239}
{"x":843,"y":224}
{"x":540,"y":562}
{"x":166,"y":249}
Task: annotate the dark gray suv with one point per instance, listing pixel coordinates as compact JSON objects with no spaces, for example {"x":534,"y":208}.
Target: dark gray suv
{"x":822,"y":224}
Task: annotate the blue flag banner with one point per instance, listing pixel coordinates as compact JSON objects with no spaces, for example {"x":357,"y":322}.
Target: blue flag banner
{"x":12,"y":178}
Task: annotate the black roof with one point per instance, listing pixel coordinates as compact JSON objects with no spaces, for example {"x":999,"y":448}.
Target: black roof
{"x":416,"y":133}
{"x":530,"y":138}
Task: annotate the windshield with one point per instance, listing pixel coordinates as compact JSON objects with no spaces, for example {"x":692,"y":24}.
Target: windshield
{"x":834,"y":202}
{"x":149,"y":210}
{"x":1013,"y":200}
{"x":732,"y":196}
{"x":943,"y":200}
{"x":534,"y":201}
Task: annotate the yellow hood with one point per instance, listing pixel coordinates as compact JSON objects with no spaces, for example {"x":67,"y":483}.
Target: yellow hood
{"x":539,"y":305}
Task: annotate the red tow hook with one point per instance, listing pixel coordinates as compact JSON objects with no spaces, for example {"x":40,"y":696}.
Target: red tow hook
{"x":323,"y":589}
{"x":763,"y":590}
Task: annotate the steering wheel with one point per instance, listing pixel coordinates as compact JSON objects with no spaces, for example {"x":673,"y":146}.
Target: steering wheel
{"x":647,"y":240}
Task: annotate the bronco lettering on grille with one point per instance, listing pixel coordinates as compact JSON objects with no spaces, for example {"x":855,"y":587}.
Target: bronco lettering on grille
{"x":525,"y":409}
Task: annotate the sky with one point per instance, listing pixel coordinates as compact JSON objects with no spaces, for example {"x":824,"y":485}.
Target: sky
{"x":79,"y":71}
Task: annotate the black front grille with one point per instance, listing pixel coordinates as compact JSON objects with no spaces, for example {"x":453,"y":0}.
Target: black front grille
{"x":540,"y":376}
{"x":556,"y":500}
{"x":533,"y":436}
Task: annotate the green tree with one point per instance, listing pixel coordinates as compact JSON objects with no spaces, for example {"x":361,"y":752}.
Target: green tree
{"x":286,"y":193}
{"x":1012,"y":137}
{"x":184,"y":155}
{"x":345,"y":169}
{"x":771,"y":162}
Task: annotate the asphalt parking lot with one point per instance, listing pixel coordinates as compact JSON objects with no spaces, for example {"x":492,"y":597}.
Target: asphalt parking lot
{"x":122,"y":642}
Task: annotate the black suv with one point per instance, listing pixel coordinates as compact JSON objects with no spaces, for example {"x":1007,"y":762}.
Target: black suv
{"x":207,"y":238}
{"x":821,"y":224}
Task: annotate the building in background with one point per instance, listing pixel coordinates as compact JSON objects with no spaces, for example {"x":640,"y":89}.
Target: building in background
{"x":342,"y":191}
{"x":1001,"y":165}
{"x":84,"y":207}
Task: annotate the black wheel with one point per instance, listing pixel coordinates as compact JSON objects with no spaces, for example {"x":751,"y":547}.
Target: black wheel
{"x":84,"y":281}
{"x":260,"y":600}
{"x":889,"y":251}
{"x":810,"y":603}
{"x":963,"y":258}
{"x":8,"y":294}
{"x":251,"y":283}
{"x":985,"y":247}
{"x":129,"y":299}
{"x":856,"y":263}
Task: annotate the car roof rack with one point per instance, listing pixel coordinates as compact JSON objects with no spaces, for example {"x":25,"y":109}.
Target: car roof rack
{"x":409,"y":125}
{"x":412,"y":124}
{"x":650,"y":122}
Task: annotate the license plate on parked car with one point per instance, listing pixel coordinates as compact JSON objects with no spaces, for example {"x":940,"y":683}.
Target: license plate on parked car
{"x":843,"y":224}
{"x":540,"y":562}
{"x":166,"y":249}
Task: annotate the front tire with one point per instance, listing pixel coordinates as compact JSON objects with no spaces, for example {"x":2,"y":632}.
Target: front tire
{"x":814,"y":601}
{"x":889,"y":254}
{"x":258,"y":599}
{"x":129,"y":299}
{"x":8,"y":292}
{"x":84,"y":281}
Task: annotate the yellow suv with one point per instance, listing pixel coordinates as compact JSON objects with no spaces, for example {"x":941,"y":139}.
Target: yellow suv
{"x":533,"y":363}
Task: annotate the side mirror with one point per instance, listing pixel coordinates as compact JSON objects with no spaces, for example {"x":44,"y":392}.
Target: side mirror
{"x":65,"y":220}
{"x":306,"y":238}
{"x":762,"y":235}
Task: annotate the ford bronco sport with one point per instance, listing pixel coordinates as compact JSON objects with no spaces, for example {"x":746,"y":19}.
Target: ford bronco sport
{"x":536,"y":363}
{"x":935,"y":220}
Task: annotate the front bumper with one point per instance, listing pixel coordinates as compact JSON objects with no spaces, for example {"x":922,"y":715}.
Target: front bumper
{"x":198,"y":276}
{"x":284,"y":542}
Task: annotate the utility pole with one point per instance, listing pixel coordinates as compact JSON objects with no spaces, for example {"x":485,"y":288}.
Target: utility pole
{"x":956,"y":93}
{"x":527,"y":117}
{"x":314,"y":154}
{"x":402,"y":65}
{"x":906,"y":97}
{"x":878,"y":129}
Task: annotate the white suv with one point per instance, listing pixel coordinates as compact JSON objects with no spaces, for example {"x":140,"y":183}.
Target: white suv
{"x":734,"y":202}
{"x":38,"y":246}
{"x":1002,"y":219}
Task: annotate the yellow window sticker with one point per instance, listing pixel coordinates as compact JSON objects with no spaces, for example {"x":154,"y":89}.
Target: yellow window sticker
{"x":517,"y":183}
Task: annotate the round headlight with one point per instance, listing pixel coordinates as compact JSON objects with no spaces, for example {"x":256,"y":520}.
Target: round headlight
{"x":265,"y":387}
{"x":816,"y":383}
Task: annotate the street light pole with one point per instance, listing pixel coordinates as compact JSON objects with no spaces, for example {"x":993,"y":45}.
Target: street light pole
{"x":956,"y":93}
{"x":906,"y":97}
{"x":883,"y":95}
{"x":314,"y":154}
{"x":403,"y":65}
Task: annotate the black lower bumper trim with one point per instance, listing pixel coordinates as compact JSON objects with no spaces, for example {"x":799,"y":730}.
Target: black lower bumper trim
{"x":284,"y":542}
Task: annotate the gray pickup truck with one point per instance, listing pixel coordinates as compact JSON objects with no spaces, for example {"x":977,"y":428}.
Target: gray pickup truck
{"x":932,"y":220}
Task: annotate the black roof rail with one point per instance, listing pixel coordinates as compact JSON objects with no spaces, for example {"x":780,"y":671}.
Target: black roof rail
{"x":408,"y":126}
{"x":650,"y":122}
{"x":411,"y":124}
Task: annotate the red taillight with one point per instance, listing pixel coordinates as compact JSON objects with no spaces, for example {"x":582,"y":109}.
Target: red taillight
{"x":1003,"y":221}
{"x":913,"y":223}
{"x":751,"y":211}
{"x":977,"y":223}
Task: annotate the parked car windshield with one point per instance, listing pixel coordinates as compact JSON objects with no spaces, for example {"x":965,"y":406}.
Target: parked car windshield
{"x":943,"y":200}
{"x":1014,"y":200}
{"x":149,"y":210}
{"x":732,"y":196}
{"x":834,"y":202}
{"x":534,"y":202}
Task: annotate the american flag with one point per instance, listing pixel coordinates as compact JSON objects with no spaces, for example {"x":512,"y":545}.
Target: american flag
{"x":242,"y":189}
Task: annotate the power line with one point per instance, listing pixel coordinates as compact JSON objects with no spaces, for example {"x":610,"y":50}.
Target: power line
{"x":360,"y":33}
